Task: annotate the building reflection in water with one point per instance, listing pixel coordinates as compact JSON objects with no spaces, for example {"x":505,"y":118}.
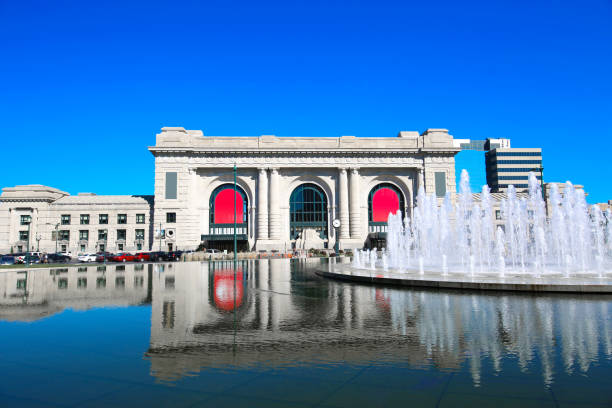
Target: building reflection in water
{"x":284,"y":316}
{"x":276,"y":313}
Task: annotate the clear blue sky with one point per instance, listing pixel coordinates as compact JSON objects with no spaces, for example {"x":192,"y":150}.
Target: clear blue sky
{"x":86,"y":85}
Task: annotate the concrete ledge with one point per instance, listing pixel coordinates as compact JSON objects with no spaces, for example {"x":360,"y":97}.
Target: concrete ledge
{"x":580,"y":284}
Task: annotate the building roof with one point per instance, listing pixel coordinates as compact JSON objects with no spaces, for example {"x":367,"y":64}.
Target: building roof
{"x":103,"y":199}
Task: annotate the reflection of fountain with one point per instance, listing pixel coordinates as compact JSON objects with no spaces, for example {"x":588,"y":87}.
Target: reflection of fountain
{"x":462,"y":238}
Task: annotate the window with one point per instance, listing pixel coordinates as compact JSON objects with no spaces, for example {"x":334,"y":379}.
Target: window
{"x":100,"y":283}
{"x":102,"y":247}
{"x":65,"y":219}
{"x":171,"y":182}
{"x":21,"y":283}
{"x":83,"y":235}
{"x":23,"y":235}
{"x":383,"y":199}
{"x":139,"y":247}
{"x":82,"y":269}
{"x":101,"y":268}
{"x":26,"y":219}
{"x":121,"y":234}
{"x":140,"y":234}
{"x":440,"y":179}
{"x":171,"y":217}
{"x":64,"y":248}
{"x":120,"y":247}
{"x":138,"y":281}
{"x":102,"y":236}
{"x":519,"y":161}
{"x":140,"y":218}
{"x":498,"y":215}
{"x":84,"y":219}
{"x":308,"y":209}
{"x":120,"y":268}
{"x":103,"y":218}
{"x":64,"y":235}
{"x":82,"y":283}
{"x":83,"y":247}
{"x":62,"y":283}
{"x":121,"y":218}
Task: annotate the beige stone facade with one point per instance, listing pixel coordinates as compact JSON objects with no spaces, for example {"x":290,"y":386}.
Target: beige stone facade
{"x":84,"y":223}
{"x":190,"y":166}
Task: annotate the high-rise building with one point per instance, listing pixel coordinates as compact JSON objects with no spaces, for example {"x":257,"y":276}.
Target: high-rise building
{"x":511,"y":166}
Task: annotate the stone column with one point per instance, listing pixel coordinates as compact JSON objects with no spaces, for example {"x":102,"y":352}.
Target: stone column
{"x":274,"y":205}
{"x":355,"y":208}
{"x":262,"y":204}
{"x":344,"y":204}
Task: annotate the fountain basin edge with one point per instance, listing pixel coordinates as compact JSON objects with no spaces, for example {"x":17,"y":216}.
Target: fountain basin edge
{"x":570,"y":285}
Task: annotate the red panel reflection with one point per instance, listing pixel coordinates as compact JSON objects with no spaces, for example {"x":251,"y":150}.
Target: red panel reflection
{"x":224,"y":289}
{"x":224,"y":207}
{"x":385,"y":201}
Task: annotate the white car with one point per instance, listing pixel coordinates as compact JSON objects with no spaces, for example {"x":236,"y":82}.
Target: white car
{"x":87,"y":258}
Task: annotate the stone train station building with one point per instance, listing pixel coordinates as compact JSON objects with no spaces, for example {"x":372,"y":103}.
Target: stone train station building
{"x":291,"y":193}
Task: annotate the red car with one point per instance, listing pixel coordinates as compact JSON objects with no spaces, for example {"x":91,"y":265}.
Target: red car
{"x":142,"y":257}
{"x":123,"y":257}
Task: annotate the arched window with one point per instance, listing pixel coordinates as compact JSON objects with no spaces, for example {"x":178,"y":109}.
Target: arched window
{"x":383,"y":199}
{"x":308,"y":209}
{"x":221,"y":223}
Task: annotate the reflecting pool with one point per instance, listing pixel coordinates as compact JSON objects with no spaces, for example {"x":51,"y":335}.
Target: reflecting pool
{"x":272,"y":333}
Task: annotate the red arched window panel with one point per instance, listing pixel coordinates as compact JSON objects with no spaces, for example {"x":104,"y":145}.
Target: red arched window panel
{"x":225,"y":291}
{"x":385,"y":201}
{"x":224,"y":207}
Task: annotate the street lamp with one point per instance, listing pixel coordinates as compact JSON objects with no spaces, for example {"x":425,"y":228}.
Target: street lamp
{"x":56,"y":231}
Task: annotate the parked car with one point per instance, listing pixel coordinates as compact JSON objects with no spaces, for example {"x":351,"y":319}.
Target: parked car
{"x":142,"y":257}
{"x":68,"y":254}
{"x":57,"y":258}
{"x":158,"y":256}
{"x":103,"y":256}
{"x":123,"y":257}
{"x":175,"y":255}
{"x":87,"y":258}
{"x":213,"y":251}
{"x":7,"y":260}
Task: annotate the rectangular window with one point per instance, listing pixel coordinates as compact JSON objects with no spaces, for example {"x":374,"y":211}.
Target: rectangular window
{"x":440,"y":183}
{"x":121,"y":218}
{"x":23,"y":235}
{"x":498,"y":215}
{"x":171,"y":185}
{"x":139,"y":247}
{"x":120,"y":247}
{"x":65,"y":219}
{"x":171,"y":217}
{"x":62,"y":283}
{"x":64,"y":235}
{"x":84,"y":219}
{"x":82,"y":283}
{"x":26,"y":219}
{"x":121,"y":234}
{"x":102,"y":235}
{"x":140,"y":218}
{"x":100,"y":283}
{"x":83,"y":247}
{"x":102,"y":247}
{"x":21,"y":283}
{"x":140,"y":234}
{"x":83,"y":235}
{"x":103,"y":218}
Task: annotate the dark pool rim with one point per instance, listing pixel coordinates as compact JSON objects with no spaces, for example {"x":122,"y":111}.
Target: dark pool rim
{"x":468,"y":285}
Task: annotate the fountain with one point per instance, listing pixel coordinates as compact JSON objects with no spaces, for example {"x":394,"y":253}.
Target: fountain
{"x":462,"y":243}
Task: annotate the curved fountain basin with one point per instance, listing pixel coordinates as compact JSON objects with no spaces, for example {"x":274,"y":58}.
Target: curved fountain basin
{"x":512,"y":281}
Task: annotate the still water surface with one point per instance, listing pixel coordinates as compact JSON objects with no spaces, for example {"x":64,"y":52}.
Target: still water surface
{"x":276,"y":334}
